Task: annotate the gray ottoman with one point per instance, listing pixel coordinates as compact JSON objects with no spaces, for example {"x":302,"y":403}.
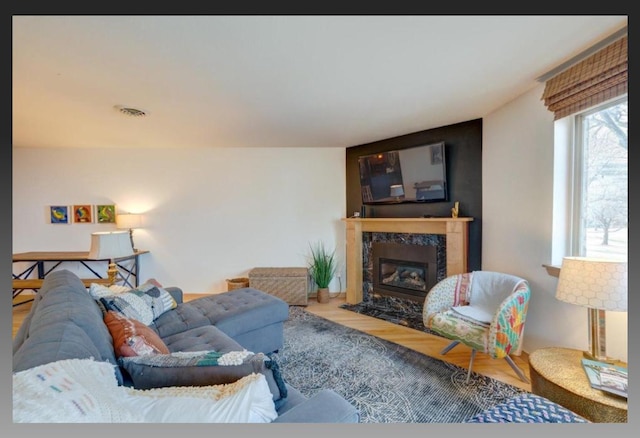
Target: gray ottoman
{"x":253,"y":318}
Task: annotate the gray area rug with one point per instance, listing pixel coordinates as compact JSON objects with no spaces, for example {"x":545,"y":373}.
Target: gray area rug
{"x":387,"y":382}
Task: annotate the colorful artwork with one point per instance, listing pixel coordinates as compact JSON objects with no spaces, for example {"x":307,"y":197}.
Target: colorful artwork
{"x":82,"y":214}
{"x":106,"y":214}
{"x":59,"y":214}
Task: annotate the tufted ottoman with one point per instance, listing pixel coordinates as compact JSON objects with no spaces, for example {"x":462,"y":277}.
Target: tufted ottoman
{"x":251,"y":317}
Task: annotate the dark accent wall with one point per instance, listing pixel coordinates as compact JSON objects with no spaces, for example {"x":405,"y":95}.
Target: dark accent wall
{"x":463,"y":151}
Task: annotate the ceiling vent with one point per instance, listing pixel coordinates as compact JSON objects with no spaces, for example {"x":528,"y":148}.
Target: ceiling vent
{"x":132,"y":112}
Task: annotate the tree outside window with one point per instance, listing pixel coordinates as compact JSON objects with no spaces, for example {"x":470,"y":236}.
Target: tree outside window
{"x":602,"y":176}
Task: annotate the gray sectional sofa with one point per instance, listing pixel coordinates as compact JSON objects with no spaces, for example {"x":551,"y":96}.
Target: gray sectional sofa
{"x":66,"y":322}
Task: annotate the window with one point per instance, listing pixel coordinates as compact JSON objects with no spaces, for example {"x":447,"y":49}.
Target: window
{"x":599,"y":218}
{"x":590,"y":200}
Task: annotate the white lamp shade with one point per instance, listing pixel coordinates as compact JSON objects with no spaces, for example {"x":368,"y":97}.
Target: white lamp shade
{"x":129,"y":220}
{"x":396,"y":190}
{"x":593,"y":283}
{"x":110,"y":245}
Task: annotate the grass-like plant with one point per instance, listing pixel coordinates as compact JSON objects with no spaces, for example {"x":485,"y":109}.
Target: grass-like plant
{"x":322,"y":265}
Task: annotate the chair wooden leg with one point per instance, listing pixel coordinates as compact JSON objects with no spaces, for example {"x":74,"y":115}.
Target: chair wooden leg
{"x":449,"y":347}
{"x":516,"y":369}
{"x":473,"y":355}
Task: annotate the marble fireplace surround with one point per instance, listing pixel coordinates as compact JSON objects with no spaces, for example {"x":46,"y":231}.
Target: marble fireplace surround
{"x":454,"y":230}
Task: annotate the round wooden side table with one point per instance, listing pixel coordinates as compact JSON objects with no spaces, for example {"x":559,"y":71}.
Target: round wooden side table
{"x":557,"y":374}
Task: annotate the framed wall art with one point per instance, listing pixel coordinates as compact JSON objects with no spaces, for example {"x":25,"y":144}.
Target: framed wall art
{"x":106,"y":214}
{"x":59,"y":214}
{"x":82,"y":214}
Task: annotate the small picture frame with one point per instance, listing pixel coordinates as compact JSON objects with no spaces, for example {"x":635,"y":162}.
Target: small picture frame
{"x":106,"y":214}
{"x":59,"y":214}
{"x":82,"y":214}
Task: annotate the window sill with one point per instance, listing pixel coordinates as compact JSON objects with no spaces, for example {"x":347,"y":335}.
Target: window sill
{"x":554,"y":271}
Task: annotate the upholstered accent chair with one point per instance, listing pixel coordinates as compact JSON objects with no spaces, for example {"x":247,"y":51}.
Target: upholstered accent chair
{"x":483,"y":310}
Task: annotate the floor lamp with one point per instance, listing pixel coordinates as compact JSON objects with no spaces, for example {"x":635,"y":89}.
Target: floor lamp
{"x":599,"y":285}
{"x":110,"y":245}
{"x":129,"y":221}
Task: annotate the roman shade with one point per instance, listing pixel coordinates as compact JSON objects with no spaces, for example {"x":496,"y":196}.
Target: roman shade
{"x":594,"y":80}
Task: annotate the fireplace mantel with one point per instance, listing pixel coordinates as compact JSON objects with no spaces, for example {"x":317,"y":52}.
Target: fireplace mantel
{"x":455,"y":229}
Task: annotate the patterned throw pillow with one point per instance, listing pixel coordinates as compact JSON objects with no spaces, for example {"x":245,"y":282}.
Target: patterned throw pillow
{"x":201,"y":368}
{"x":98,"y":291}
{"x":144,"y":303}
{"x":156,"y":297}
{"x":133,"y":338}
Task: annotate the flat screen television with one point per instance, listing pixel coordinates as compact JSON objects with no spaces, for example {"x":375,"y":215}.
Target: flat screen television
{"x":415,"y":174}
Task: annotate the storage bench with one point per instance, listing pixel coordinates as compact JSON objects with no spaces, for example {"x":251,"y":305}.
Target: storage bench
{"x":288,"y":284}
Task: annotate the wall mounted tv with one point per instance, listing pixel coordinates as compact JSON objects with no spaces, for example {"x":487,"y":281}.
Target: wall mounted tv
{"x":415,"y":174}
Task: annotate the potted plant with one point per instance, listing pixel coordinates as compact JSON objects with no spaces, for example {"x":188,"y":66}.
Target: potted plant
{"x":322,"y":268}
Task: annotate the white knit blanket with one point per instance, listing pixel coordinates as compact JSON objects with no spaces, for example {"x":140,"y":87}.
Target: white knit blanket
{"x":86,"y":391}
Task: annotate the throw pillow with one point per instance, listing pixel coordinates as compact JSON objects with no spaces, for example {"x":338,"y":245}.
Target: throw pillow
{"x":156,"y":297}
{"x":201,"y":368}
{"x":130,"y":305}
{"x":131,"y":337}
{"x":247,"y":400}
{"x":98,"y":291}
{"x":144,"y":303}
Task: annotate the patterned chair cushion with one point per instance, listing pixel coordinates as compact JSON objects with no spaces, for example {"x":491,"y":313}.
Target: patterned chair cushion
{"x":452,"y":326}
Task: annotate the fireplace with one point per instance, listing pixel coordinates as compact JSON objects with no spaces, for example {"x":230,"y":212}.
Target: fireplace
{"x":450,"y":236}
{"x":403,"y":270}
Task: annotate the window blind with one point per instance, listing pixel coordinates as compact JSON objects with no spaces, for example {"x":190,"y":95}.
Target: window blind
{"x":594,"y":80}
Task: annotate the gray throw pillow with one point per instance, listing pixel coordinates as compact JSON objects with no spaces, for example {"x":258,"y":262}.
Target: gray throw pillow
{"x":201,"y":368}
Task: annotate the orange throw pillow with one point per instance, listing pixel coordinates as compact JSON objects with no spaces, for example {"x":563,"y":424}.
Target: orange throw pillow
{"x":131,"y":337}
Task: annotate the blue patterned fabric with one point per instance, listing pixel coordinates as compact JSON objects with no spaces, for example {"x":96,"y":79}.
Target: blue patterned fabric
{"x":527,"y":408}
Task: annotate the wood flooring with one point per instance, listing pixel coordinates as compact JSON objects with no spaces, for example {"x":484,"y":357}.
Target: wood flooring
{"x":419,"y":341}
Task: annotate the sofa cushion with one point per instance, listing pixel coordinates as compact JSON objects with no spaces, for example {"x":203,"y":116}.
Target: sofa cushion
{"x":207,"y":337}
{"x":200,"y":368}
{"x":131,"y":337}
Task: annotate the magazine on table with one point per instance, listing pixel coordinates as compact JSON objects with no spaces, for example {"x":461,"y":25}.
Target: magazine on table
{"x":607,"y":377}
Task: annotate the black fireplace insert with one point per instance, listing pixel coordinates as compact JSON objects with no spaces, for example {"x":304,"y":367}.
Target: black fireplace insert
{"x":404,"y":270}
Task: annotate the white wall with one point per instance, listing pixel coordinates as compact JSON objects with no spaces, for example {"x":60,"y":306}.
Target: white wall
{"x":210,"y":214}
{"x":517,"y":220}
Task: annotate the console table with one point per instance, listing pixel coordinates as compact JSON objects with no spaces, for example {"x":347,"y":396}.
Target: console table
{"x":43,"y":262}
{"x":456,"y":231}
{"x":557,"y":374}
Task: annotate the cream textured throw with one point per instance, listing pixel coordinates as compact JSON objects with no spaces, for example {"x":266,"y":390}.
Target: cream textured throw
{"x":86,"y":391}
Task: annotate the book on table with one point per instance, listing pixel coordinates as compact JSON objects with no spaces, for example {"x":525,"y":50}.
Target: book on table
{"x":607,"y":377}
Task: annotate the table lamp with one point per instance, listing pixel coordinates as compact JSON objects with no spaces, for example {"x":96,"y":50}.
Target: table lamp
{"x":129,"y":221}
{"x":599,"y":285}
{"x":110,"y":245}
{"x":396,"y":191}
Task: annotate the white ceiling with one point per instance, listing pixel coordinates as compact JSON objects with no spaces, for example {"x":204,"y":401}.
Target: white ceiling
{"x":275,"y":81}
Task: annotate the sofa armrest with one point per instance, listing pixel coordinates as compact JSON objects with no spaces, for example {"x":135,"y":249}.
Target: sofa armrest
{"x":175,"y":292}
{"x":325,"y":406}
